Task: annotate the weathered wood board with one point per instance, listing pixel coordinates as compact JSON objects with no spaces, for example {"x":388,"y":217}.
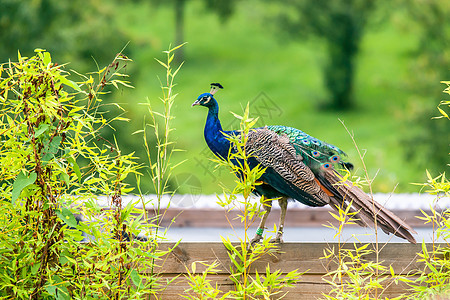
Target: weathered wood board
{"x":304,"y":257}
{"x":177,"y":217}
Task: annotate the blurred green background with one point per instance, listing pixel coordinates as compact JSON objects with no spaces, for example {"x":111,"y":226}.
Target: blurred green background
{"x":375,"y":65}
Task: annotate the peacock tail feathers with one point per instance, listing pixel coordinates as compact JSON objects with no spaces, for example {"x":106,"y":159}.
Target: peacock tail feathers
{"x":367,"y":211}
{"x":316,"y":154}
{"x":279,"y":154}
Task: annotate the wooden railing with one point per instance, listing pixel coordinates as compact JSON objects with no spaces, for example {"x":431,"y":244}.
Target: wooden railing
{"x":304,"y":257}
{"x":294,"y":218}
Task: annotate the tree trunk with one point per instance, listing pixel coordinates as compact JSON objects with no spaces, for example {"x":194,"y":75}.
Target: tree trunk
{"x":339,"y":71}
{"x":179,"y":28}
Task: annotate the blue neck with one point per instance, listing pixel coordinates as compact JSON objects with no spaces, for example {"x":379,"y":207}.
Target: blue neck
{"x":214,"y":137}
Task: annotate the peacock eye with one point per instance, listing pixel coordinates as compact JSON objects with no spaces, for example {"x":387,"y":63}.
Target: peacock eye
{"x":325,"y":166}
{"x":335,"y":159}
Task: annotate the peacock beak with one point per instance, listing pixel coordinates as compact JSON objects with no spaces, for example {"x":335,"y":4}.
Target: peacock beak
{"x":197,"y":102}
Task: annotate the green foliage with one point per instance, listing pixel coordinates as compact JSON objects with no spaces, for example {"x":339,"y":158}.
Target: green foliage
{"x":52,"y":166}
{"x":434,"y":279}
{"x":427,"y":143}
{"x":200,"y":286}
{"x":385,"y":85}
{"x":358,"y":277}
{"x":264,"y":285}
{"x":160,"y":164}
{"x":341,"y":25}
{"x":72,"y":31}
{"x":160,"y":168}
{"x":355,"y":273}
{"x":223,"y":9}
{"x":444,"y":114}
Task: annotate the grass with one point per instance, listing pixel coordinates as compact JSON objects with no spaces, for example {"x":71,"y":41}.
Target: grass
{"x":245,"y":55}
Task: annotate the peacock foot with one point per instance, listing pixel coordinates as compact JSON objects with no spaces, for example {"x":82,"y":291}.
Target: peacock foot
{"x":278,"y":239}
{"x":256,"y":239}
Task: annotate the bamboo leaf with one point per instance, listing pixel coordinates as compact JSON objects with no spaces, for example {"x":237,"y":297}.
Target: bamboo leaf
{"x":67,"y":217}
{"x":161,"y":63}
{"x":75,"y":167}
{"x":22,"y":181}
{"x":135,"y":277}
{"x":41,"y":129}
{"x":443,"y":112}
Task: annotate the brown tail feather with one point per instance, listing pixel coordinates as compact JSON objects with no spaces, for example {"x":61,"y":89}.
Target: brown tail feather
{"x":365,"y":208}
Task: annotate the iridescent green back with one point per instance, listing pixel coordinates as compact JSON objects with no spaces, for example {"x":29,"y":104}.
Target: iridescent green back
{"x":316,"y":153}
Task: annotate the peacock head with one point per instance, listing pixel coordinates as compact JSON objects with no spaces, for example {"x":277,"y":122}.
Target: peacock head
{"x":207,"y":99}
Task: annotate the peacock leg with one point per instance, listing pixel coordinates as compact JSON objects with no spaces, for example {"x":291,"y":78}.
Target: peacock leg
{"x":283,"y":205}
{"x":258,"y":236}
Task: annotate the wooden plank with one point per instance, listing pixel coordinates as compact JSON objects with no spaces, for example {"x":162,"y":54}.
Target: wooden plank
{"x":291,"y":256}
{"x":304,"y":257}
{"x":309,"y":287}
{"x":176,"y":217}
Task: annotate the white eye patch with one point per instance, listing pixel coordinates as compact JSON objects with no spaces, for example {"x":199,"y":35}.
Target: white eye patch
{"x":207,"y":100}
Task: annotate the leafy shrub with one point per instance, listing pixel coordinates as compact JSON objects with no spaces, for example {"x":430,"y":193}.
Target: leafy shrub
{"x":53,"y":163}
{"x":434,"y":279}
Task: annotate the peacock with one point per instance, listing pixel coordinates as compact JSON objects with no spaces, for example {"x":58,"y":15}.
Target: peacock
{"x":299,"y":167}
